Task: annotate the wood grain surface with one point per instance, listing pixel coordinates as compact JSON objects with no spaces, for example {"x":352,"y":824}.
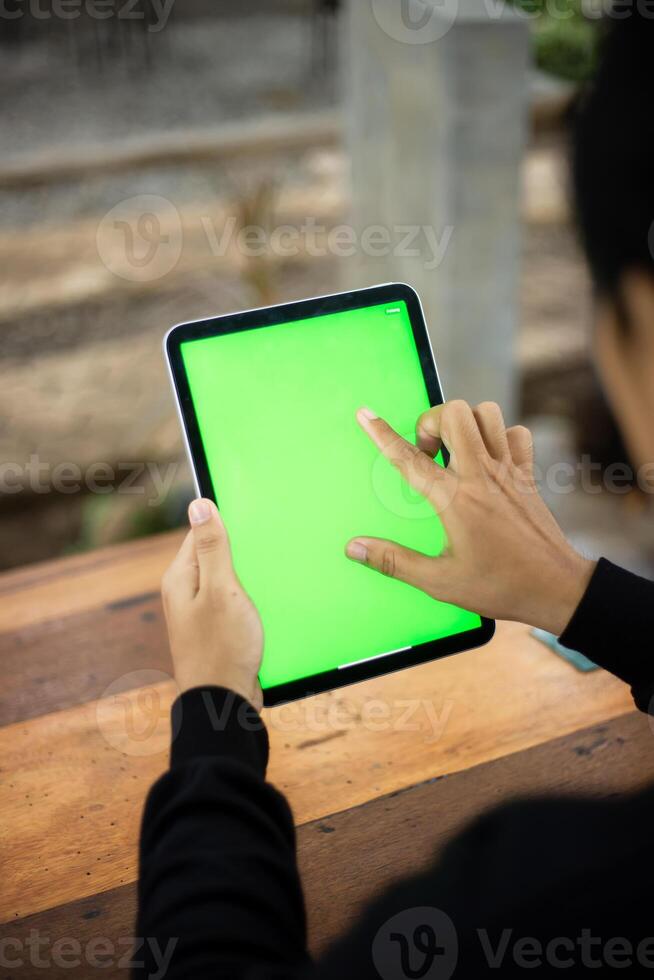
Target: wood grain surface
{"x":357,"y":853}
{"x":79,"y":775}
{"x":50,"y":591}
{"x":84,"y":710}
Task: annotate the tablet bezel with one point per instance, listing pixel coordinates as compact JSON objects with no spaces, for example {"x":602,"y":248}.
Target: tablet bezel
{"x":286,"y":313}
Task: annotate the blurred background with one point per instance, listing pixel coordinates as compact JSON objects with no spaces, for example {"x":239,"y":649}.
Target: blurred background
{"x":167,"y":160}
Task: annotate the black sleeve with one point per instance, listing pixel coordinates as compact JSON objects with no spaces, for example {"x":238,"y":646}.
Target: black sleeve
{"x":613,"y":626}
{"x":219,"y":892}
{"x":220,"y":896}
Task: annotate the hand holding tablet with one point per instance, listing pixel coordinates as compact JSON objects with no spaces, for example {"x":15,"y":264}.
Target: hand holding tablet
{"x":268,"y":401}
{"x":214,"y":628}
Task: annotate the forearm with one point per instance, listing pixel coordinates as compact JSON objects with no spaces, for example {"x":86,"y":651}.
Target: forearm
{"x":218,"y":868}
{"x":614,"y":624}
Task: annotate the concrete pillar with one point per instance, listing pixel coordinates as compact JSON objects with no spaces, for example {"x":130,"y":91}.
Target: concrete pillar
{"x":436,"y":94}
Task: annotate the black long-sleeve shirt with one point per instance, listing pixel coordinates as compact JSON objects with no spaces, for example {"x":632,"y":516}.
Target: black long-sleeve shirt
{"x":219,"y":885}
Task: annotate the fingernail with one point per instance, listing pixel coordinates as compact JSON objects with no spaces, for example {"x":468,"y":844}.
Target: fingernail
{"x":367,"y":413}
{"x":199,"y":511}
{"x":357,"y":550}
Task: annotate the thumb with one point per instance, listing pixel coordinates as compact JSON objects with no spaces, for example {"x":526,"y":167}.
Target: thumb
{"x":394,"y":560}
{"x":210,"y":539}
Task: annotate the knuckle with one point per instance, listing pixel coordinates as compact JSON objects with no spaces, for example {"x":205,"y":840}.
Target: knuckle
{"x":521,"y":432}
{"x":488,"y":406}
{"x":387,"y":563}
{"x":403,"y":454}
{"x":458,"y":406}
{"x":408,"y":452}
{"x":429,"y":414}
{"x":491,"y":411}
{"x":207,"y":543}
{"x":458,"y":416}
{"x":424,"y":465}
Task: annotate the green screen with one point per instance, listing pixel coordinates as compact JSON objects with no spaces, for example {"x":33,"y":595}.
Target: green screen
{"x":295,"y":477}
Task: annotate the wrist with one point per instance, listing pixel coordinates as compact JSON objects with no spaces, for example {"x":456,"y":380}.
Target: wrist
{"x":246,"y":687}
{"x":568,"y":585}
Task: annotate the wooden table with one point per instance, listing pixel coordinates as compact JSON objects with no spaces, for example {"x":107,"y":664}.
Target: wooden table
{"x":378,"y":774}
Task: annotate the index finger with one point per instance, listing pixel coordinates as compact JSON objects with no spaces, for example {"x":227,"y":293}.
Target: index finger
{"x":453,"y":425}
{"x":420,"y":472}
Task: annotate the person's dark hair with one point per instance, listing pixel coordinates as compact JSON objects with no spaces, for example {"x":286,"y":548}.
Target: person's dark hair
{"x":613,"y":154}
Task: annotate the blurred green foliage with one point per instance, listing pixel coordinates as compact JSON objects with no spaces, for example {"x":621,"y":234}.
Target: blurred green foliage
{"x":565,"y":39}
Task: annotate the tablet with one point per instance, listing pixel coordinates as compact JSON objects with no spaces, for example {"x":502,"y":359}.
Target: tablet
{"x":267,"y":399}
